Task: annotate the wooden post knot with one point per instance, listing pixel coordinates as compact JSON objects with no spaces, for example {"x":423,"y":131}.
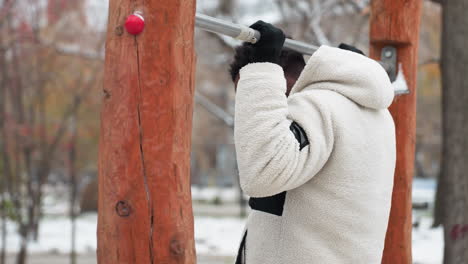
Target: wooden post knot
{"x":119,"y":30}
{"x":176,"y":248}
{"x":123,"y":208}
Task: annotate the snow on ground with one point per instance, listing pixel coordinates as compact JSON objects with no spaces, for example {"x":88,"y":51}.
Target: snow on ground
{"x":428,"y":243}
{"x":54,"y":235}
{"x":214,"y":236}
{"x":218,"y":236}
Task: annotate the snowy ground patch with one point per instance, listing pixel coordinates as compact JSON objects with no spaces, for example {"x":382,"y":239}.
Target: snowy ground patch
{"x":214,"y":236}
{"x":54,"y":235}
{"x":218,"y":236}
{"x":428,"y":243}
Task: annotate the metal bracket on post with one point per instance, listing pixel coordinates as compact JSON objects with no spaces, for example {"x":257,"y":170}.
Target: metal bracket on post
{"x":388,"y":60}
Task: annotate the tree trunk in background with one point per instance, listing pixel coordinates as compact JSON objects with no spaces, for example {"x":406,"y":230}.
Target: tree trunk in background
{"x":453,"y":183}
{"x":3,"y":190}
{"x":23,"y":252}
{"x":73,"y":187}
{"x":3,"y":212}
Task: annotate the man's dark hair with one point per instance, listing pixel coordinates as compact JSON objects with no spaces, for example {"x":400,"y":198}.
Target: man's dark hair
{"x":292,"y":61}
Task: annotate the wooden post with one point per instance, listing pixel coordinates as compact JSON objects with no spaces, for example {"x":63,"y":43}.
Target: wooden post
{"x":396,"y":23}
{"x":145,"y":209}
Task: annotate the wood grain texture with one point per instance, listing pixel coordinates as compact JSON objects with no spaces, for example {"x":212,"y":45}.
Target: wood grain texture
{"x":145,"y":209}
{"x":396,"y":22}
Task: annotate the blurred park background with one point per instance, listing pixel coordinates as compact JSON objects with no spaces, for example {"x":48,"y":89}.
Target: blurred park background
{"x":51,"y":66}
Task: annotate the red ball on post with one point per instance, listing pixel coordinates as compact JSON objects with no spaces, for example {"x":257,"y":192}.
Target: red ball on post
{"x":135,"y":23}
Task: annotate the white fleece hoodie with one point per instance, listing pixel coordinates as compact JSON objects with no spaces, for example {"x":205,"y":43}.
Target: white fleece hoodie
{"x":338,"y":187}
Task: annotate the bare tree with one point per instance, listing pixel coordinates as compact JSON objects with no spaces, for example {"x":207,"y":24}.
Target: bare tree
{"x":73,"y":186}
{"x":313,"y":20}
{"x":452,"y":192}
{"x":32,"y":71}
{"x":3,"y":200}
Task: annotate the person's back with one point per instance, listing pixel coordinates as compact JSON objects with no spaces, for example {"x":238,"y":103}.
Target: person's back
{"x":319,"y":164}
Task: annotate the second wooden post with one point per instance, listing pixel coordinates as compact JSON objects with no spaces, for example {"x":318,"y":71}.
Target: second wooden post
{"x":396,"y":23}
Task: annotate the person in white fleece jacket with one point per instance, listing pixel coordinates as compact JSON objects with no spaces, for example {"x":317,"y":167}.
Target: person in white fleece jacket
{"x":318,"y":164}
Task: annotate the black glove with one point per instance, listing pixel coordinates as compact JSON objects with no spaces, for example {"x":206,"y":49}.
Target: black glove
{"x":350,"y":48}
{"x":268,"y":48}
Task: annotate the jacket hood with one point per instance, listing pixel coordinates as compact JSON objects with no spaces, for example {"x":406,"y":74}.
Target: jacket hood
{"x":350,"y":74}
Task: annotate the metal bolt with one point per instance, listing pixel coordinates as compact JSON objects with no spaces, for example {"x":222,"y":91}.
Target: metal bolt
{"x":123,"y":208}
{"x":388,"y":54}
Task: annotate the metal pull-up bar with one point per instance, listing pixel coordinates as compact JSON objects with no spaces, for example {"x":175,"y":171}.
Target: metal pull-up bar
{"x":247,"y":34}
{"x":244,"y":33}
